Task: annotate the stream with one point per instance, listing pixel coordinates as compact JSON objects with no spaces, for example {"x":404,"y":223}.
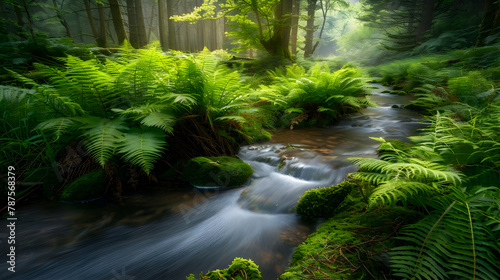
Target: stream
{"x":168,"y":233}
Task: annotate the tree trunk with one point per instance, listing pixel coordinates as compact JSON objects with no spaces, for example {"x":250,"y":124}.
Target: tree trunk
{"x":279,"y":43}
{"x":172,"y":42}
{"x":163,"y":23}
{"x":20,"y":23}
{"x":426,"y":18}
{"x":489,"y":22}
{"x":102,"y":40}
{"x":295,"y":26}
{"x":141,"y":27}
{"x":61,"y":19}
{"x":132,"y":24}
{"x":310,"y":28}
{"x":30,"y":20}
{"x":325,"y":7}
{"x":91,"y":21}
{"x":116,"y":15}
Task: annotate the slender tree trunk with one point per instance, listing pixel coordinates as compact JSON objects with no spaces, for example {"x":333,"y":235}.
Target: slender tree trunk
{"x":186,"y":33}
{"x":163,"y":24}
{"x":95,"y":33}
{"x":426,"y":18}
{"x":20,"y":23}
{"x":172,"y":42}
{"x":132,"y":24}
{"x":295,"y":26}
{"x":141,"y":27}
{"x":30,"y":20}
{"x":490,"y":19}
{"x":62,"y":20}
{"x":102,"y":40}
{"x":116,"y":15}
{"x":325,"y":7}
{"x":310,"y":28}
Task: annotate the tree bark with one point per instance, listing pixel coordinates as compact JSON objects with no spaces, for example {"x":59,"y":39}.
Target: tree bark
{"x":163,"y":23}
{"x":172,"y":42}
{"x":489,"y":22}
{"x":295,"y":26}
{"x":310,"y":28}
{"x":426,"y":18}
{"x":141,"y":27}
{"x":91,"y":21}
{"x":102,"y":40}
{"x":279,"y":43}
{"x":61,"y":19}
{"x":116,"y":15}
{"x":20,"y":22}
{"x":132,"y":24}
{"x":30,"y":20}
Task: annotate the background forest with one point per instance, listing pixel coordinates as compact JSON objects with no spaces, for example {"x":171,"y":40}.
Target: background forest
{"x":129,"y":91}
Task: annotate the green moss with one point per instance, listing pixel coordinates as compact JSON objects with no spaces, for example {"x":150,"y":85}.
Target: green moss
{"x":322,"y":202}
{"x":217,"y":171}
{"x":240,"y":269}
{"x":339,"y":243}
{"x":89,"y":186}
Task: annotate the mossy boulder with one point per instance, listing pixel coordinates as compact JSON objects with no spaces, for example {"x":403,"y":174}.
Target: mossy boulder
{"x":240,"y":269}
{"x":87,"y":187}
{"x":217,"y":171}
{"x":323,"y":202}
{"x":343,"y":237}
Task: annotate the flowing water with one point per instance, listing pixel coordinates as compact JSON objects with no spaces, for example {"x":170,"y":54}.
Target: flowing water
{"x":169,"y":233}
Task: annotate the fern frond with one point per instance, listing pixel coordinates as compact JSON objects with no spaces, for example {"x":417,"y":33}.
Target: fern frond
{"x":160,"y":120}
{"x":102,"y":136}
{"x":452,"y":241}
{"x":57,"y":126}
{"x":142,"y":147}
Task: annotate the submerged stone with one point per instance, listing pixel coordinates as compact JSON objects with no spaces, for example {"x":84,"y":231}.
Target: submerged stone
{"x":217,"y":171}
{"x":86,"y":187}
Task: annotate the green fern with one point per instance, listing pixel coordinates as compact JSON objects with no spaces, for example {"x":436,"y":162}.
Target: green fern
{"x":102,"y":136}
{"x":142,"y":147}
{"x":452,"y":242}
{"x":322,"y":93}
{"x":401,"y":177}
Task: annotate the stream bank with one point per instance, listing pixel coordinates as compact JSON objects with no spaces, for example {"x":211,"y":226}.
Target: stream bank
{"x":170,"y":234}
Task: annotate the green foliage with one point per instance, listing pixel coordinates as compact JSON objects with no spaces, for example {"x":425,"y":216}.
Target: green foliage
{"x":351,"y":243}
{"x":217,"y":171}
{"x":457,"y":240}
{"x":120,"y":106}
{"x":86,"y":187}
{"x":467,"y":88}
{"x":240,"y":269}
{"x":323,"y":202}
{"x":400,"y":176}
{"x":319,"y":93}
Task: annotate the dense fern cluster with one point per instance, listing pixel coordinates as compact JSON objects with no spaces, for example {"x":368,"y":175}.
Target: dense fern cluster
{"x":129,"y":107}
{"x":319,"y":94}
{"x":451,"y":173}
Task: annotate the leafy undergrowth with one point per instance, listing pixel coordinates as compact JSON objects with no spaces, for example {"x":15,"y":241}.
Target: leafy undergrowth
{"x":353,"y":244}
{"x":240,"y":269}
